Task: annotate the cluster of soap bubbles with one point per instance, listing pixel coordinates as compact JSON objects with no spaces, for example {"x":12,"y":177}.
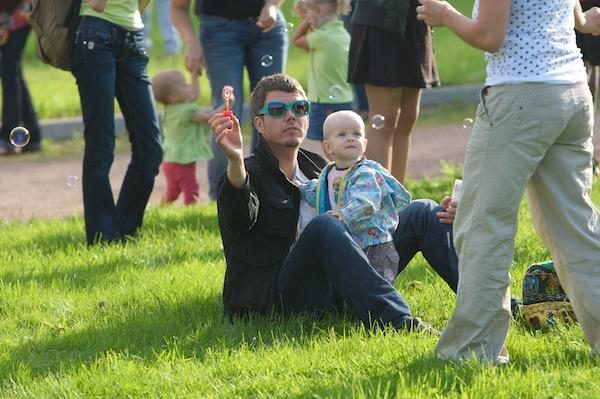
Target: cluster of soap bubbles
{"x":20,"y":137}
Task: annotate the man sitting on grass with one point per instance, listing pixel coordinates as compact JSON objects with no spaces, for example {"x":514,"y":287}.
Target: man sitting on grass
{"x":279,"y":256}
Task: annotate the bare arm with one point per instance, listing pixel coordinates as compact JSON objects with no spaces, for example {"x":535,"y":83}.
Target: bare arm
{"x":194,"y":54}
{"x":588,"y":22}
{"x":202,"y":115}
{"x":299,"y":37}
{"x":97,"y":5}
{"x":485,"y":33}
{"x":194,"y":88}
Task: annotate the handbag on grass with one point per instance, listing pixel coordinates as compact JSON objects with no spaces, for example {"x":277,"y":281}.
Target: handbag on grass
{"x":544,"y":300}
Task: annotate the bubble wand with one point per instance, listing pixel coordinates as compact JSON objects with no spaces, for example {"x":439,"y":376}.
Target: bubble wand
{"x":227,"y":93}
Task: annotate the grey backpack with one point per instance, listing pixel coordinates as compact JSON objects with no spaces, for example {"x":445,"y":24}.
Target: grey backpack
{"x":54,"y":23}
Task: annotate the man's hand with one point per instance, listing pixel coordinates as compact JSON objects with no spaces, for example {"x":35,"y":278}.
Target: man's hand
{"x":267,"y":19}
{"x":449,"y":213}
{"x":228,"y":135}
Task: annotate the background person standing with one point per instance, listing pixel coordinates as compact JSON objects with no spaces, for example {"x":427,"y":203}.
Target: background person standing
{"x":234,"y":35}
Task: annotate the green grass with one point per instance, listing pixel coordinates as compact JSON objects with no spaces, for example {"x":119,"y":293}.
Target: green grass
{"x":145,"y":320}
{"x":54,"y":92}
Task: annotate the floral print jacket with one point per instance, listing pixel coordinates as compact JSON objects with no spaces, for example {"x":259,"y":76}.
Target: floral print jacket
{"x":369,"y":201}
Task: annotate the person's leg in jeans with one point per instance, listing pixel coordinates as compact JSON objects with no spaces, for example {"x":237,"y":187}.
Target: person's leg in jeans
{"x":17,"y":107}
{"x":169,"y":35}
{"x":266,"y":54}
{"x":95,"y":72}
{"x":147,"y":21}
{"x":325,"y":263}
{"x":222,"y":39}
{"x":134,"y":93}
{"x":419,"y":230}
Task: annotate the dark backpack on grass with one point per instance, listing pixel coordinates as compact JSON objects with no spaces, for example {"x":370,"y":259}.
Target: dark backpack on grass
{"x":54,"y":23}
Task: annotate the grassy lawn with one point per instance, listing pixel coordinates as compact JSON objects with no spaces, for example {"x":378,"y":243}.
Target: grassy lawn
{"x":145,"y":320}
{"x":55,"y":94}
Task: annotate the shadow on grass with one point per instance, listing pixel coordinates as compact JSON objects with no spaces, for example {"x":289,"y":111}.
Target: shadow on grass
{"x":191,"y":328}
{"x":428,"y":377}
{"x":88,"y":265}
{"x":49,"y":238}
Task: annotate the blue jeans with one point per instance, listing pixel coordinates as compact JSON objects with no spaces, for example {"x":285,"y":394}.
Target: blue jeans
{"x":229,"y":46}
{"x":318,"y":113}
{"x":326,"y":267}
{"x":109,"y":61}
{"x":17,"y":107}
{"x":171,"y":42}
{"x":420,"y":230}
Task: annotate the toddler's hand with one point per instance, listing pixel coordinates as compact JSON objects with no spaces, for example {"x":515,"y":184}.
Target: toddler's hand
{"x":300,"y":8}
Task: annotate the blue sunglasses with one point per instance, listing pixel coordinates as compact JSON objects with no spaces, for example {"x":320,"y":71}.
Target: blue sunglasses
{"x":278,"y":109}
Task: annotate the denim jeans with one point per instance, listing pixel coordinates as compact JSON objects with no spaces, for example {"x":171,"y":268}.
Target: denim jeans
{"x":325,"y":267}
{"x":318,"y":113}
{"x":109,"y":61}
{"x":171,"y":42}
{"x":420,"y":230}
{"x":17,"y":108}
{"x":229,"y":46}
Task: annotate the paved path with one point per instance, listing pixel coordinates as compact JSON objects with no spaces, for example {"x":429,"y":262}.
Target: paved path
{"x":31,"y":188}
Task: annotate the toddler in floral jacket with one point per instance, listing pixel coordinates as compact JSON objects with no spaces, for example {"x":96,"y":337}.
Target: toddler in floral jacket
{"x":358,"y":192}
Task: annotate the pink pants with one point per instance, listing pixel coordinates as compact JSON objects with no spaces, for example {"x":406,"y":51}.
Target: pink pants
{"x":180,"y":178}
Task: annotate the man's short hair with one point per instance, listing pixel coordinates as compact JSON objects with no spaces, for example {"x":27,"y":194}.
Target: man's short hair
{"x":277,"y":82}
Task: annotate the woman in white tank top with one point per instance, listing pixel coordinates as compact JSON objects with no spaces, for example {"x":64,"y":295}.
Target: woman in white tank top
{"x":533,"y":131}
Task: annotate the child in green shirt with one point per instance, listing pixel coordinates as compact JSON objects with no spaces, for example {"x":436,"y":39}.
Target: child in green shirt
{"x":186,"y":135}
{"x":323,"y":36}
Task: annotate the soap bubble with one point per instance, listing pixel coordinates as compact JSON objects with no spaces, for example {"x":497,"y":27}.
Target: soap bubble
{"x":467,"y":123}
{"x":19,"y":136}
{"x":72,"y":181}
{"x":335,"y":92}
{"x":266,"y":61}
{"x":377,"y":121}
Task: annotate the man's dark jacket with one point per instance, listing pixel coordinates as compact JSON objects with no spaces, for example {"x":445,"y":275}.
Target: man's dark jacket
{"x":258,"y":224}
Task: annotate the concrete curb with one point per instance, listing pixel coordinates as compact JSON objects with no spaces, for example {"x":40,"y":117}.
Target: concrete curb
{"x":64,"y":128}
